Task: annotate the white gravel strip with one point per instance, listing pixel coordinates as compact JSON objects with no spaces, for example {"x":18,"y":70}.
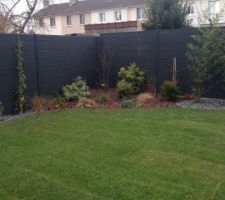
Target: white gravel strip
{"x":8,"y":118}
{"x":205,"y":103}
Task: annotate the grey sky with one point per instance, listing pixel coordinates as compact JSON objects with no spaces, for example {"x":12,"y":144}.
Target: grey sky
{"x":22,"y":5}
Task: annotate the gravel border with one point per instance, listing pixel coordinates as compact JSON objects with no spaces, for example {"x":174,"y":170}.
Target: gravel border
{"x":205,"y":103}
{"x":7,"y":118}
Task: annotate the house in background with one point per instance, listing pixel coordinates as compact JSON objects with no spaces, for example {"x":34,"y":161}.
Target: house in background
{"x":103,"y":16}
{"x":90,"y":16}
{"x":199,"y":10}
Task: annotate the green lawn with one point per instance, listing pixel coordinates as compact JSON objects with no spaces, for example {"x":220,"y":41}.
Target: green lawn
{"x":170,"y":154}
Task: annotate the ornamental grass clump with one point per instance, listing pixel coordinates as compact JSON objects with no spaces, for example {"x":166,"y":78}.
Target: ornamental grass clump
{"x":41,"y":104}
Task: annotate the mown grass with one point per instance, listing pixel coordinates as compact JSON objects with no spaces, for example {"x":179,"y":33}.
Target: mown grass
{"x":170,"y":154}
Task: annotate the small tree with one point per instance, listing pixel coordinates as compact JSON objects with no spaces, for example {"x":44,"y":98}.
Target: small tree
{"x":166,"y":14}
{"x":131,"y":80}
{"x":20,"y":96}
{"x":105,"y":68}
{"x":207,"y":59}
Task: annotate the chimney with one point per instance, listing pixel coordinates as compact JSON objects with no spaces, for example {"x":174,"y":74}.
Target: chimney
{"x":45,"y":3}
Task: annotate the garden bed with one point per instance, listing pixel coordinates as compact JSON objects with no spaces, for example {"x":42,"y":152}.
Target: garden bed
{"x":113,"y":102}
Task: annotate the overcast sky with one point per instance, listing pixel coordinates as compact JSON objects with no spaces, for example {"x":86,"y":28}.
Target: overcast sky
{"x":22,"y":6}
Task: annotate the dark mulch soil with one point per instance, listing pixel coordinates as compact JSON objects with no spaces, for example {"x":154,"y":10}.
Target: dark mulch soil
{"x":114,"y":102}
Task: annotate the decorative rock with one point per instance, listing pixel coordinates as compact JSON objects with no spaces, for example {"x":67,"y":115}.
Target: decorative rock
{"x":86,"y":103}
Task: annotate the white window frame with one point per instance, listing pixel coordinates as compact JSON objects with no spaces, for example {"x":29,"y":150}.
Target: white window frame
{"x":117,"y":15}
{"x":214,"y":6}
{"x":191,"y":8}
{"x":102,"y":17}
{"x":52,"y":19}
{"x":69,"y":20}
{"x":41,"y":22}
{"x":82,"y":19}
{"x":140,"y":15}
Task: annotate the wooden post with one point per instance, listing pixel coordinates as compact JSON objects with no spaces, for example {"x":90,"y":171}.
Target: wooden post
{"x":174,"y":69}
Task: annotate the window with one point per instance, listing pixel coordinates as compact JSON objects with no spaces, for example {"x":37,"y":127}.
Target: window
{"x":52,"y":22}
{"x":214,"y":7}
{"x":101,"y":17}
{"x":117,"y":15}
{"x":191,"y":8}
{"x":82,"y":18}
{"x":140,"y":13}
{"x":41,"y":22}
{"x":68,"y":20}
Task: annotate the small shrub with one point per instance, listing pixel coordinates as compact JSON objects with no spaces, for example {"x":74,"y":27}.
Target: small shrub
{"x":124,"y":89}
{"x":41,"y":104}
{"x":132,"y":74}
{"x":102,"y":98}
{"x":59,"y":100}
{"x":76,"y":90}
{"x":169,"y":91}
{"x":86,"y":103}
{"x":128,"y":104}
{"x":1,"y":108}
{"x":131,"y":80}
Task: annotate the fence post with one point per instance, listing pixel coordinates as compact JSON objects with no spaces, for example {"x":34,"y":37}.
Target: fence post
{"x":36,"y":64}
{"x":156,"y":73}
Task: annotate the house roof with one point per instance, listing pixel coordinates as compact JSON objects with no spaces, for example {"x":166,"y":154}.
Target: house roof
{"x":86,"y":6}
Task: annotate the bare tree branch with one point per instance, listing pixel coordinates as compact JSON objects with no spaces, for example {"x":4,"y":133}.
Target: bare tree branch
{"x":16,"y":23}
{"x":31,"y":6}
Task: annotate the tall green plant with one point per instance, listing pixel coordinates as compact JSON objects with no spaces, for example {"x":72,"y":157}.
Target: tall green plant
{"x":207,"y":60}
{"x":20,"y":93}
{"x":166,"y":14}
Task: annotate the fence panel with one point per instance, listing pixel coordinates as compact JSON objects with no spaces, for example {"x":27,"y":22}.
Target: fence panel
{"x":62,"y":58}
{"x":8,"y":73}
{"x":126,"y":48}
{"x":50,"y":63}
{"x":173,"y":43}
{"x":153,"y":51}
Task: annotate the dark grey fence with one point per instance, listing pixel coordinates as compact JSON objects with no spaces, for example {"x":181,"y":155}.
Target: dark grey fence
{"x":53,"y":61}
{"x":153,"y":51}
{"x":50,"y":63}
